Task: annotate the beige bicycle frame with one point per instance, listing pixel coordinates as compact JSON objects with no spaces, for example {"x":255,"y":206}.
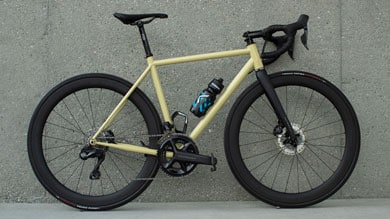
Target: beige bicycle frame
{"x":254,"y":62}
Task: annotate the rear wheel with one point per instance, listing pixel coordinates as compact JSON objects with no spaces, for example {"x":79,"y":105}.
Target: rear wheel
{"x":93,"y":178}
{"x":281,"y":174}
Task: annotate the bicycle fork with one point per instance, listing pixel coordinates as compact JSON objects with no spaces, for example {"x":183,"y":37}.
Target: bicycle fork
{"x":283,"y":121}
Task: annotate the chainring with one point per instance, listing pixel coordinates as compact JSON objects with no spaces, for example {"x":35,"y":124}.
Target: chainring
{"x":172,"y":143}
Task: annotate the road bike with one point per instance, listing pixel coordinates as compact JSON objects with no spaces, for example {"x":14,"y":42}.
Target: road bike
{"x":292,"y":139}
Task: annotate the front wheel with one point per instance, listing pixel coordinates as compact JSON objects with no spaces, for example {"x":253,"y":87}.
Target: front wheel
{"x":85,"y":177}
{"x":327,"y":148}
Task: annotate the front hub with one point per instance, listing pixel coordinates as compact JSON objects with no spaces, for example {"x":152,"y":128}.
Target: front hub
{"x":284,"y":143}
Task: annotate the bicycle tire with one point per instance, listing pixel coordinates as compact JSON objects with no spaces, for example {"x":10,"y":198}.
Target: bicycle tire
{"x":61,"y":125}
{"x":327,"y":151}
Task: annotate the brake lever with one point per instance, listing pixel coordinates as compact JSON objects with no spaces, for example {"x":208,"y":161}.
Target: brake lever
{"x":304,"y":37}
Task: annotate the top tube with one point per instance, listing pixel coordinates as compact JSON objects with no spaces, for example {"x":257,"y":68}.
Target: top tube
{"x":201,"y":57}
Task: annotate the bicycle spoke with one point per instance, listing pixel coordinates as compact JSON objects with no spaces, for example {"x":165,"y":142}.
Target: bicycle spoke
{"x":121,"y":118}
{"x":256,"y":155}
{"x":270,"y":165}
{"x":109,"y":178}
{"x":60,"y":155}
{"x":316,"y":111}
{"x":70,"y":176}
{"x":101,"y":186}
{"x":311,"y":168}
{"x":67,"y":165}
{"x":297,"y":98}
{"x":321,"y":145}
{"x":276,"y":173}
{"x":267,"y":104}
{"x":289,"y":173}
{"x":81,"y":171}
{"x":315,"y":154}
{"x":60,"y":139}
{"x":90,"y":187}
{"x":79,"y":130}
{"x":326,"y":153}
{"x":71,"y":114}
{"x":125,"y":163}
{"x":321,"y":116}
{"x":330,"y":123}
{"x":262,"y":117}
{"x":252,"y":132}
{"x":307,"y":106}
{"x":304,"y":173}
{"x":258,"y":126}
{"x":297,"y":172}
{"x":119,"y":169}
{"x":60,"y":146}
{"x":82,"y":109}
{"x":286,"y":105}
{"x":63,"y":127}
{"x":91,"y":108}
{"x":264,"y":161}
{"x":333,"y":135}
{"x":255,"y":142}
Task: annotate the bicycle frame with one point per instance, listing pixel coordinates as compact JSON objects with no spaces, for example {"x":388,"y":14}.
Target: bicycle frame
{"x":254,"y":63}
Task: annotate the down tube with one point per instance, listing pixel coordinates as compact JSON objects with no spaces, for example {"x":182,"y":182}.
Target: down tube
{"x":248,"y":67}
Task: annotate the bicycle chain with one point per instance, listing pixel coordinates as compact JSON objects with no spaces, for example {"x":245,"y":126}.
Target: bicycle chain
{"x":167,"y":177}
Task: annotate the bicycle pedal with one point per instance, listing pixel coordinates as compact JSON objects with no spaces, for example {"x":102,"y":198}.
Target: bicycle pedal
{"x":213,"y":163}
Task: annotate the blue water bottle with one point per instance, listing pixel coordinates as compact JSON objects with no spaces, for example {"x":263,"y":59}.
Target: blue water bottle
{"x":207,"y":97}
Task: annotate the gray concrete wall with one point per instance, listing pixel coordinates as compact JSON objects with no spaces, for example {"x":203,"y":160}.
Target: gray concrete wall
{"x":42,"y":42}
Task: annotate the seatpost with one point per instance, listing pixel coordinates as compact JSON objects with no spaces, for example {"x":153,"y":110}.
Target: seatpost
{"x":145,"y":41}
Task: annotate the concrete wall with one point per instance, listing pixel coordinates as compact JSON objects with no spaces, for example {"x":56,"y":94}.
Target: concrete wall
{"x":42,"y":42}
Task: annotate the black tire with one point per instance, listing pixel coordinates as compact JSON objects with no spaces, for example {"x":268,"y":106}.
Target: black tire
{"x":273,"y":171}
{"x":60,"y":126}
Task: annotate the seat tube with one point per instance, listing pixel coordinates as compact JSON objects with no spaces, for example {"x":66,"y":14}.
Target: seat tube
{"x":159,"y":91}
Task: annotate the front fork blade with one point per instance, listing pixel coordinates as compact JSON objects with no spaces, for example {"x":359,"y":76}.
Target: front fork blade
{"x":273,"y":98}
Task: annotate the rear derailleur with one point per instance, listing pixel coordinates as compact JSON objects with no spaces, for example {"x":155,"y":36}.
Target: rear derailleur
{"x":92,"y":152}
{"x":96,"y":152}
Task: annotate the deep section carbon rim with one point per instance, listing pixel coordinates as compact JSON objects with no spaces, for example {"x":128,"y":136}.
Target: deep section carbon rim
{"x":92,"y":177}
{"x":261,"y":156}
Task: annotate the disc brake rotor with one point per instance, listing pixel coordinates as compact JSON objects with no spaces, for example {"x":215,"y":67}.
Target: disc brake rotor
{"x":287,"y":148}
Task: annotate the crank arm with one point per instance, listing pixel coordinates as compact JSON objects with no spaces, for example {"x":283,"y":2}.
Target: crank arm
{"x":196,"y":158}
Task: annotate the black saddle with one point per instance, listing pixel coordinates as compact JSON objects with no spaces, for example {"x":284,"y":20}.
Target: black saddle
{"x":133,"y":19}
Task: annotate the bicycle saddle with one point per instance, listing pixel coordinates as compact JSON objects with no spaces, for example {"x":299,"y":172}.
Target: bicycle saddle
{"x":133,"y":18}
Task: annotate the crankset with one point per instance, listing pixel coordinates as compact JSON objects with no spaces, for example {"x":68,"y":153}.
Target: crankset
{"x":185,"y":155}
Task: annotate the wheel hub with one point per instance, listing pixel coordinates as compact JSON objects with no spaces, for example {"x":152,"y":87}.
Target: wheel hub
{"x":284,"y":143}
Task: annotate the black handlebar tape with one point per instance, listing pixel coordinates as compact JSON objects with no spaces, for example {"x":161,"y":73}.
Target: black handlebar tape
{"x":280,"y":50}
{"x":301,"y":23}
{"x":289,"y":30}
